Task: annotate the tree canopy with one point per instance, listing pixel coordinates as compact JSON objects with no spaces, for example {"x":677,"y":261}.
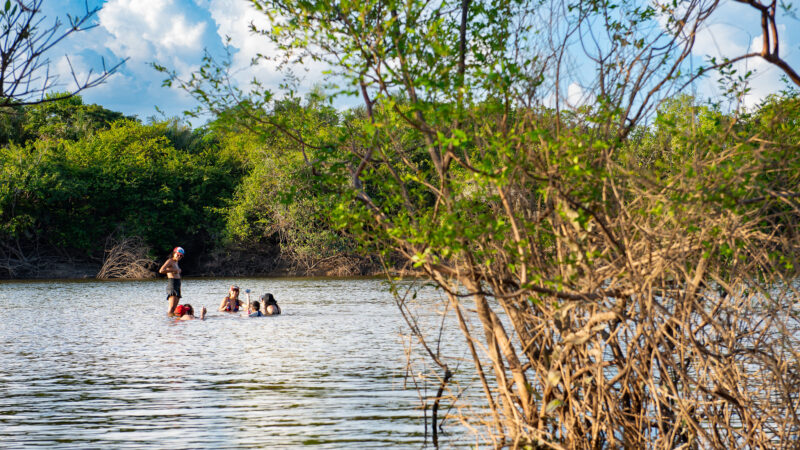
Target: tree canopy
{"x":629,"y":253}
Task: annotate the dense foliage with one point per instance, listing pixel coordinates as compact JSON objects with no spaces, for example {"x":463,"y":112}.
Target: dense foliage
{"x":278,"y":171}
{"x":633,"y":280}
{"x":629,"y":253}
{"x":75,"y":176}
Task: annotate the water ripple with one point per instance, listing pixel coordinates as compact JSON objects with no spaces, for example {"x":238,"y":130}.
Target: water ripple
{"x":97,"y":364}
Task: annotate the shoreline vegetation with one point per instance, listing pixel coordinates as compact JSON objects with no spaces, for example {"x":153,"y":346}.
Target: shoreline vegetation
{"x":129,"y":259}
{"x":51,"y":268}
{"x":87,"y":192}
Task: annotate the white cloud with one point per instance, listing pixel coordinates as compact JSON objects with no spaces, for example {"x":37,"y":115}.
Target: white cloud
{"x":234,"y":20}
{"x":723,"y":40}
{"x":150,"y":30}
{"x":63,"y":69}
{"x":720,"y":40}
{"x":735,"y":31}
{"x":577,"y":96}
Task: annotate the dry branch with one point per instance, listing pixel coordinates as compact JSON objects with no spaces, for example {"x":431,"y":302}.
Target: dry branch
{"x":127,"y":257}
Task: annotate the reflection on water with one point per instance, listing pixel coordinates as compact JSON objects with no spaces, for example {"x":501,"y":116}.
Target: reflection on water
{"x":90,"y":364}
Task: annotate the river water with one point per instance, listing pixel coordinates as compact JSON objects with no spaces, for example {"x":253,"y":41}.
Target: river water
{"x":98,"y":364}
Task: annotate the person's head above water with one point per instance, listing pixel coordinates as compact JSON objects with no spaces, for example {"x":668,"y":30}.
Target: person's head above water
{"x":187,"y":309}
{"x":233,"y":291}
{"x":178,"y":251}
{"x":270,"y":305}
{"x":255,"y":306}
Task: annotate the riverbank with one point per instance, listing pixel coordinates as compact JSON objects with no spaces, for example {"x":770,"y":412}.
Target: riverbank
{"x":227,"y":264}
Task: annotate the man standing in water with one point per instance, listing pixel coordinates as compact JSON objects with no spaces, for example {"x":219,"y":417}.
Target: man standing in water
{"x":173,"y":272}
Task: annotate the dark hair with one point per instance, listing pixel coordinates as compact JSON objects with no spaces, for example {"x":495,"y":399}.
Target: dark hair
{"x":187,"y":309}
{"x":256,"y":305}
{"x":268,"y":299}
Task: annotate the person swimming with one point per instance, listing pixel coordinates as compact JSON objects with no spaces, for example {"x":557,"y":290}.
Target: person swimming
{"x":254,"y":310}
{"x":271,"y":307}
{"x":231,"y":303}
{"x":186,"y":312}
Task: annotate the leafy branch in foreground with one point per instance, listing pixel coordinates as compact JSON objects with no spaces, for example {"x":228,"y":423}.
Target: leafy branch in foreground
{"x":630,"y":257}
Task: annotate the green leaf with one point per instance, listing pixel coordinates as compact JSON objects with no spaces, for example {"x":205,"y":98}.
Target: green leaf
{"x":552,"y":406}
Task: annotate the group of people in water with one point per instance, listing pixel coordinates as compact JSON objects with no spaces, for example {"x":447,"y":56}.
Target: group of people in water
{"x":268,"y":306}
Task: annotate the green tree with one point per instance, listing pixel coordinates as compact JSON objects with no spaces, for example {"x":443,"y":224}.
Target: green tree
{"x":259,"y":217}
{"x":621,"y":301}
{"x":126,"y":179}
{"x":65,"y":118}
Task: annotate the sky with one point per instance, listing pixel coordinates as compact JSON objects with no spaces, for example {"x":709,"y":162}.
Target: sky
{"x":172,"y":33}
{"x":175,"y":33}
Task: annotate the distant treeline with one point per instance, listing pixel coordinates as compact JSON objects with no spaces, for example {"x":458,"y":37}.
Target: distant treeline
{"x":241,"y":193}
{"x":76,"y":176}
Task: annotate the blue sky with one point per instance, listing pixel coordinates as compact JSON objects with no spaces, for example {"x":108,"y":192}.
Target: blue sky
{"x":174,"y":33}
